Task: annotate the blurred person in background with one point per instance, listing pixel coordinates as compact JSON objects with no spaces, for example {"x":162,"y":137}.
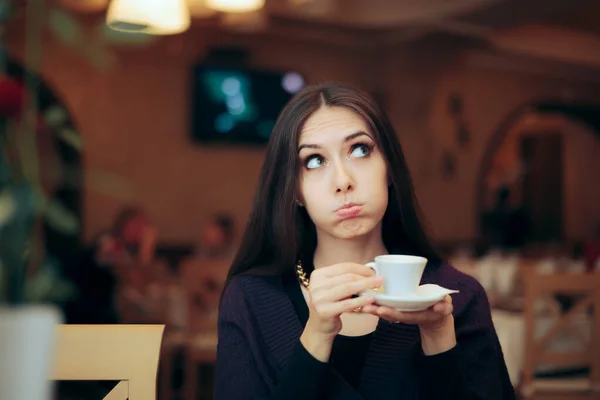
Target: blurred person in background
{"x":217,"y":237}
{"x":207,"y":269}
{"x":116,"y":260}
{"x":506,"y":226}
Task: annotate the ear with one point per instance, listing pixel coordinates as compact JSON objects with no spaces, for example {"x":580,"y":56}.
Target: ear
{"x":298,"y":198}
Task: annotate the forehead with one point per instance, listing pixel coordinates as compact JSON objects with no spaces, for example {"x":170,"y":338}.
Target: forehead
{"x":331,"y":124}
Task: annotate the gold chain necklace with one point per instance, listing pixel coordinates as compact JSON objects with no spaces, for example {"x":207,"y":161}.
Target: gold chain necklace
{"x":302,"y":275}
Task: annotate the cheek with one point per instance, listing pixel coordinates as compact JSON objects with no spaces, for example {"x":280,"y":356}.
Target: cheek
{"x":379,"y":194}
{"x":377,"y":188}
{"x":376,"y":177}
{"x":312,"y":196}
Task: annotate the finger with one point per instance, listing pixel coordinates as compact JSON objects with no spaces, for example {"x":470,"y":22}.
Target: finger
{"x":345,"y":290}
{"x":418,"y":317}
{"x":370,"y":309}
{"x":384,"y":313}
{"x":331,"y":310}
{"x":445,"y":306}
{"x":331,"y":282}
{"x":342,"y":268}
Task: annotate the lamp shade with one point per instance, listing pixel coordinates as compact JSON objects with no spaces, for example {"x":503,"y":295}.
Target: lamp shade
{"x":155,"y":17}
{"x":235,"y":5}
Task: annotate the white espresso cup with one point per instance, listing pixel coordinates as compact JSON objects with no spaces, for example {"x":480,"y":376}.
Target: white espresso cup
{"x":401,"y":274}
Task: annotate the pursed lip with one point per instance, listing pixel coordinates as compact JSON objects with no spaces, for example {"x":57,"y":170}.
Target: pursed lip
{"x":350,"y":210}
{"x":348,"y":205}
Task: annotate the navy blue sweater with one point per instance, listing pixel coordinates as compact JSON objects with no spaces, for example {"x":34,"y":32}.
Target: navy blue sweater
{"x":260,"y":356}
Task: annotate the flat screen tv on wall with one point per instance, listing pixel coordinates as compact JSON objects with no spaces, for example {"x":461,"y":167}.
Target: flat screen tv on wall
{"x":238,"y":105}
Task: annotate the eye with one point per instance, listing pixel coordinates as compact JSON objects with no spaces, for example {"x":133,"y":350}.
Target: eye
{"x":314,"y":162}
{"x":360,"y":150}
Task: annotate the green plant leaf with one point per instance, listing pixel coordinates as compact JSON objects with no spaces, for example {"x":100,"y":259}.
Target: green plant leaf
{"x":6,"y":10}
{"x":14,"y":239}
{"x":55,"y":116}
{"x":7,"y":207}
{"x":46,"y":284}
{"x":27,"y":202}
{"x":60,"y":218}
{"x":65,"y":27}
{"x":71,"y":137}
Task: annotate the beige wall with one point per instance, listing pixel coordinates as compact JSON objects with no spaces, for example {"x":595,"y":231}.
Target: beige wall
{"x":134,"y":121}
{"x":135,"y":124}
{"x":418,"y":106}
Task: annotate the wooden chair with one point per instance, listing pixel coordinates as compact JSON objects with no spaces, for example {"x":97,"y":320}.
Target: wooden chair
{"x":585,"y":288}
{"x":125,"y":353}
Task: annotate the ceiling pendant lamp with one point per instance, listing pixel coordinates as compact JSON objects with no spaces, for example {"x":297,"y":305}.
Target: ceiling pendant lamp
{"x":154,"y":17}
{"x":236,"y":6}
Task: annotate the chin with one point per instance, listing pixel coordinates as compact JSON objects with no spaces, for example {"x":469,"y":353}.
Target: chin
{"x":353,"y":228}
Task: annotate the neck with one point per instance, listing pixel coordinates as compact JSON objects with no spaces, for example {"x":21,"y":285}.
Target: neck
{"x":360,"y":250}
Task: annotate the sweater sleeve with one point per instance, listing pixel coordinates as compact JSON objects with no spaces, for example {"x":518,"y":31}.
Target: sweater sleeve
{"x":238,"y":375}
{"x":475,"y":368}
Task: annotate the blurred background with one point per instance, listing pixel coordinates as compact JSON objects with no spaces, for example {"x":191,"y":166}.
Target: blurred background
{"x":151,"y":132}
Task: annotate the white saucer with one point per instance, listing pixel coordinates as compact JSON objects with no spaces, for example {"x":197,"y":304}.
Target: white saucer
{"x":421,"y":299}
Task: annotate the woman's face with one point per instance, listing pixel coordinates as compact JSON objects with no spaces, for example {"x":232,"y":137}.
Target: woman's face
{"x":343,"y":176}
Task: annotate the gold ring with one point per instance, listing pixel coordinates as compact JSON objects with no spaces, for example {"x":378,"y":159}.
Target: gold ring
{"x":357,"y":309}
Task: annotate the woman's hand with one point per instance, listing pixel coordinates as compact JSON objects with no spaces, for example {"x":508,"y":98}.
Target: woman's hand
{"x":436,"y":324}
{"x":330,"y":295}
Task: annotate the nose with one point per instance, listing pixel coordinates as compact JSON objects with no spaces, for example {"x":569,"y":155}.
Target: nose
{"x":343,"y":179}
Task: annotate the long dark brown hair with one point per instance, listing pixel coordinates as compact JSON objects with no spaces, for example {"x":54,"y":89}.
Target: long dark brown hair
{"x":279,"y":231}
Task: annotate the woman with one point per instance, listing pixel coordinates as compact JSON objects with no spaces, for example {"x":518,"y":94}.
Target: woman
{"x":334,"y":193}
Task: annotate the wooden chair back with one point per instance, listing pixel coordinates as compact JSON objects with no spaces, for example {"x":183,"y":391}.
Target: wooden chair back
{"x":125,"y":353}
{"x":584,"y":291}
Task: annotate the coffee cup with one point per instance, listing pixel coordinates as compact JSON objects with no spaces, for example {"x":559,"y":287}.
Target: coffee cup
{"x":401,"y":273}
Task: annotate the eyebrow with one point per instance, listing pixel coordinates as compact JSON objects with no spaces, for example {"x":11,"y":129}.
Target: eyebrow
{"x":346,"y":139}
